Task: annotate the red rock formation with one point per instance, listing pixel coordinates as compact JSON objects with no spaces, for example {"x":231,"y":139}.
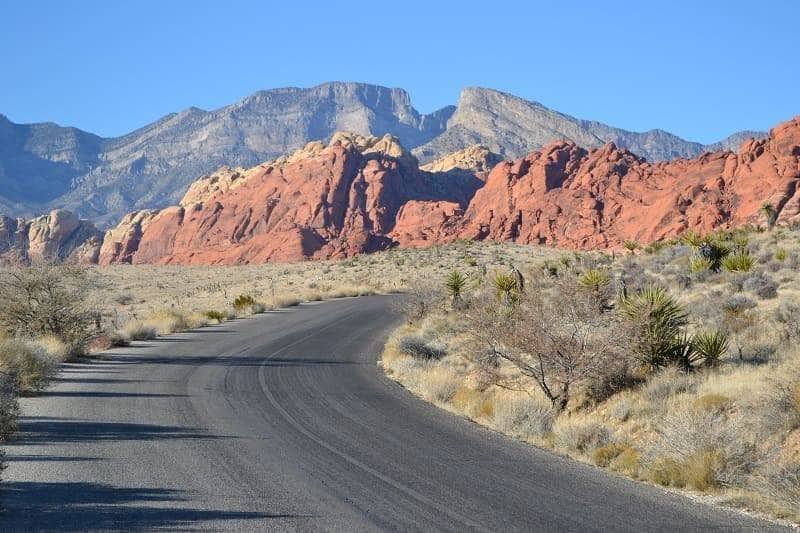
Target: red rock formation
{"x":321,"y":202}
{"x":567,"y":196}
{"x":364,"y":194}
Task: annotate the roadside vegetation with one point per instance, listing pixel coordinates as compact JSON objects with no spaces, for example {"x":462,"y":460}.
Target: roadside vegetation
{"x":675,"y":363}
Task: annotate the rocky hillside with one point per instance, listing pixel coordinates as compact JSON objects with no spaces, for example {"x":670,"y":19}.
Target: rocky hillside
{"x":59,"y":235}
{"x":512,"y":127}
{"x":361,"y":194}
{"x":45,"y":166}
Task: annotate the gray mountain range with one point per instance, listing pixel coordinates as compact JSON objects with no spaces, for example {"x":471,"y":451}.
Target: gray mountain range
{"x":44,"y":166}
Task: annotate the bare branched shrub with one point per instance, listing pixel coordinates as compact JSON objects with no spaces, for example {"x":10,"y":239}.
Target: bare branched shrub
{"x":557,"y":339}
{"x":49,"y":299}
{"x":419,"y":300}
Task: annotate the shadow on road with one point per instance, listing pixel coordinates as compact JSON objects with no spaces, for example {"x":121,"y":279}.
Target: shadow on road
{"x":89,"y":506}
{"x":104,"y":394}
{"x":44,"y":431}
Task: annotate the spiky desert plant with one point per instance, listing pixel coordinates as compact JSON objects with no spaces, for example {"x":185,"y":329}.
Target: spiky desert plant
{"x":631,"y":246}
{"x":657,"y":321}
{"x":698,"y":264}
{"x":455,"y":283}
{"x":594,"y":279}
{"x":505,"y":285}
{"x":781,"y":254}
{"x":770,"y":214}
{"x":739,"y":261}
{"x":710,"y":345}
{"x":692,"y":238}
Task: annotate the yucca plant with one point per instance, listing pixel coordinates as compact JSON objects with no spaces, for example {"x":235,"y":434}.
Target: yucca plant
{"x":700,"y":264}
{"x":711,"y":346}
{"x":741,"y":241}
{"x":781,"y":254}
{"x":631,"y":246}
{"x":692,"y":238}
{"x":594,"y":279}
{"x":739,"y":261}
{"x":770,"y":213}
{"x":658,"y":320}
{"x":455,"y":283}
{"x":505,"y":286}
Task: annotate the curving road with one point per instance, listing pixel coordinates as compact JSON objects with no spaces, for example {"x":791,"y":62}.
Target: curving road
{"x":284,"y":422}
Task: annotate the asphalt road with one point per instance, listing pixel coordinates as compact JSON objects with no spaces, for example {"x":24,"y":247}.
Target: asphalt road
{"x":284,"y":422}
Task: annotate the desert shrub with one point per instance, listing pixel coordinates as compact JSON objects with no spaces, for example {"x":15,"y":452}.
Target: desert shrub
{"x":523,"y":416}
{"x":581,"y":435}
{"x":739,"y":261}
{"x":419,"y":300}
{"x":117,"y":339}
{"x":712,"y":402}
{"x":418,"y":348}
{"x":611,"y":378}
{"x":29,"y":365}
{"x":439,"y":384}
{"x":781,"y":482}
{"x":166,"y":321}
{"x":139,"y":331}
{"x":701,"y":449}
{"x":9,"y":407}
{"x":788,"y":316}
{"x":737,"y":304}
{"x":667,"y":383}
{"x":243,"y":303}
{"x":762,"y":285}
{"x":48,"y":299}
{"x":555,"y":339}
{"x":216,"y":316}
{"x":604,"y":455}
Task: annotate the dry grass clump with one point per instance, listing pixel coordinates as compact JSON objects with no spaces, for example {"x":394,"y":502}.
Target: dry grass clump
{"x":528,"y":417}
{"x":31,"y":363}
{"x":677,"y":365}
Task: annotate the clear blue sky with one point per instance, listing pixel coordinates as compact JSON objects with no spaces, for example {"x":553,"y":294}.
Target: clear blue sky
{"x":701,"y":69}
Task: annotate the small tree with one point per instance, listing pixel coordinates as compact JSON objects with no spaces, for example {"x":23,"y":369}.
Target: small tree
{"x":557,"y":340}
{"x":49,"y":299}
{"x":770,"y":214}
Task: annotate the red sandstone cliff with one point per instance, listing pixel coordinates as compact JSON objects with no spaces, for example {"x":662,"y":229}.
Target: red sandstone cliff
{"x":362,"y":194}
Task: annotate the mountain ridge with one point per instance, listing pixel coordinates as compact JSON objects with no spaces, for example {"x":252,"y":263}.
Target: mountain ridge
{"x":44,"y":166}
